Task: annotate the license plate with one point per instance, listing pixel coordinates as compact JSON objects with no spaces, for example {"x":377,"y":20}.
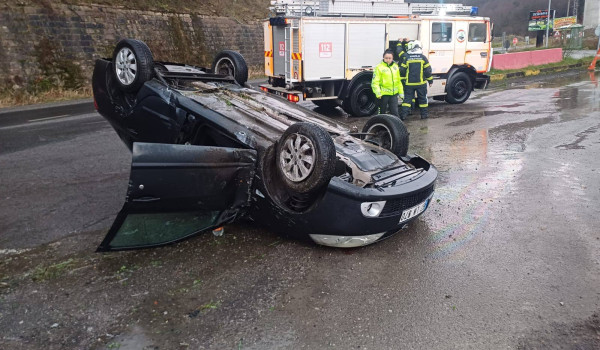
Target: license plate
{"x":414,"y":211}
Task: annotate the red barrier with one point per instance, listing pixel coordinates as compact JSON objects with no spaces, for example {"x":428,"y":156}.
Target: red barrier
{"x":528,"y":58}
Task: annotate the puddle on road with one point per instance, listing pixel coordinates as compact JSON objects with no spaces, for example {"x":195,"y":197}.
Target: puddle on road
{"x":474,"y":173}
{"x":478,"y":168}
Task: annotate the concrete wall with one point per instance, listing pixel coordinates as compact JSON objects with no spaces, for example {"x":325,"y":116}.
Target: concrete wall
{"x":39,"y":40}
{"x":591,"y":13}
{"x":519,"y":60}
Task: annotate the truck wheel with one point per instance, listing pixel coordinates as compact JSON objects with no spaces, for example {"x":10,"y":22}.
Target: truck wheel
{"x":362,"y":101}
{"x":459,"y":88}
{"x":326,"y":104}
{"x":305,"y":158}
{"x":133,"y":64}
{"x":231,"y":63}
{"x":388,"y":132}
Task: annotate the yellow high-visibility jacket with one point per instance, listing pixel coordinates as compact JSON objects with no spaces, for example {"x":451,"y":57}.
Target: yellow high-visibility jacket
{"x":386,"y":80}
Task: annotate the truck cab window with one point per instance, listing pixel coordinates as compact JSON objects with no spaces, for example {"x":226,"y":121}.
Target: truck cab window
{"x":441,"y":32}
{"x":477,"y":32}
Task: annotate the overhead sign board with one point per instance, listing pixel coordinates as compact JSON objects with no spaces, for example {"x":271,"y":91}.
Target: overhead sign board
{"x":538,"y":20}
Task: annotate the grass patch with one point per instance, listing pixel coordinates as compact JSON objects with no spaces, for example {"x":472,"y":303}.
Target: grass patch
{"x":44,"y":273}
{"x":20,"y":97}
{"x":210,"y":306}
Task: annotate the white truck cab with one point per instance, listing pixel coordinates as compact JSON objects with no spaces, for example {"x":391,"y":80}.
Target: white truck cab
{"x":329,"y":59}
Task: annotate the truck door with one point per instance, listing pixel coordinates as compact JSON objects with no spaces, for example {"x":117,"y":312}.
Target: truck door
{"x":399,"y":31}
{"x":366,"y":43}
{"x":460,"y":41}
{"x":279,"y":51}
{"x":441,"y":46}
{"x":324,"y":54}
{"x":478,"y":46}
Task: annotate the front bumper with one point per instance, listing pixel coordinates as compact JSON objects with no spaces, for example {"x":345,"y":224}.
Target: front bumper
{"x":337,"y":219}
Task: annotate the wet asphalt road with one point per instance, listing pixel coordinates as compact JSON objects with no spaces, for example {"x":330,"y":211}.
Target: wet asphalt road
{"x":506,"y":257}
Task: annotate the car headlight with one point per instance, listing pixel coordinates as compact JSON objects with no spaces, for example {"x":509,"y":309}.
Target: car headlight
{"x":372,"y":209}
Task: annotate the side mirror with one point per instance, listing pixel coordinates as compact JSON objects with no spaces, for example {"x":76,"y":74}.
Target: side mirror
{"x":491,"y":32}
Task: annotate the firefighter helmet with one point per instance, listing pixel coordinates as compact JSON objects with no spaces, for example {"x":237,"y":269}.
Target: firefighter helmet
{"x":413,"y":46}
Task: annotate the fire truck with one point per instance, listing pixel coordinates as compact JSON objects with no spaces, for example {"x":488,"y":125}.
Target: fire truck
{"x":325,"y":51}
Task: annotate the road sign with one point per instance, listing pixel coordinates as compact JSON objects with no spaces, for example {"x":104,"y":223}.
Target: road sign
{"x":515,"y":41}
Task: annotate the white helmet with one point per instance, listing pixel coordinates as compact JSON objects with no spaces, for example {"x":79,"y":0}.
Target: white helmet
{"x":414,"y":46}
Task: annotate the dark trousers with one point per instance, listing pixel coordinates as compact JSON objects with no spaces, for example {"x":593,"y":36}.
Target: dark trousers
{"x":409,"y":93}
{"x":388,"y":104}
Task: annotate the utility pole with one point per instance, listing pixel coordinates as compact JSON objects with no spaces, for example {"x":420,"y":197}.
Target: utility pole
{"x":575,"y":7}
{"x":548,"y":22}
{"x":568,"y":7}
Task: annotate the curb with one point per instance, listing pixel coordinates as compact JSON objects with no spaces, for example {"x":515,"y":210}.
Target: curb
{"x":13,"y":115}
{"x":533,"y":72}
{"x":34,"y":107}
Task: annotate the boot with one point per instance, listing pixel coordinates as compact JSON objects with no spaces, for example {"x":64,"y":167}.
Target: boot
{"x":403,"y":113}
{"x":424,"y":113}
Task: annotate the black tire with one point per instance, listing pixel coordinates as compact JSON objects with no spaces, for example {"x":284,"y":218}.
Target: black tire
{"x":362,"y":101}
{"x":326,"y":104}
{"x":390,"y":133}
{"x":459,"y":88}
{"x":231,"y":63}
{"x":141,"y":64}
{"x":323,"y":158}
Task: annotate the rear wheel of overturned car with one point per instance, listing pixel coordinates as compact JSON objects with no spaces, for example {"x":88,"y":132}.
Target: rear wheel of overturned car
{"x":231,"y":63}
{"x":361,"y":101}
{"x":388,"y":132}
{"x":133,"y":64}
{"x":459,"y":88}
{"x":305,"y":158}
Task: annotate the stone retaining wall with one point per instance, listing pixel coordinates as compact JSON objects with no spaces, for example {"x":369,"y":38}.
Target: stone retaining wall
{"x":39,"y":41}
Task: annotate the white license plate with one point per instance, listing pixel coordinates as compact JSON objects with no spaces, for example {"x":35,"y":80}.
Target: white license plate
{"x":414,"y":211}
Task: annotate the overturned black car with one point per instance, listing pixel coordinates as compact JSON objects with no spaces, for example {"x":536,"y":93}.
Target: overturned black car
{"x":207,"y":150}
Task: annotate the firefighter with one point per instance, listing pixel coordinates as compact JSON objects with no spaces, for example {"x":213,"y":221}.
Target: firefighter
{"x":386,"y":84}
{"x":417,"y":73}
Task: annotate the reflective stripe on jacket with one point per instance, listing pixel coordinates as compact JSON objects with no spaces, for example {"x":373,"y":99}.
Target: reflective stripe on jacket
{"x":386,"y":80}
{"x":416,"y":69}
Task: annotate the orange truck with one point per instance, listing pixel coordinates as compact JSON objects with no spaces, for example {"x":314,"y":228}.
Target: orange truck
{"x":329,"y":59}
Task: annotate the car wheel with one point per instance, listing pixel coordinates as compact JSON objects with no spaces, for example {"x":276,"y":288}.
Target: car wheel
{"x":459,"y":88}
{"x":388,"y":132}
{"x":305,"y":158}
{"x":231,"y":63}
{"x":133,"y":64}
{"x":326,"y":104}
{"x":362,"y":101}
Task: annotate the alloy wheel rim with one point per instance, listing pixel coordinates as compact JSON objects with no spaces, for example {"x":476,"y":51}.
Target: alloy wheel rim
{"x":297,"y":157}
{"x":126,"y":66}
